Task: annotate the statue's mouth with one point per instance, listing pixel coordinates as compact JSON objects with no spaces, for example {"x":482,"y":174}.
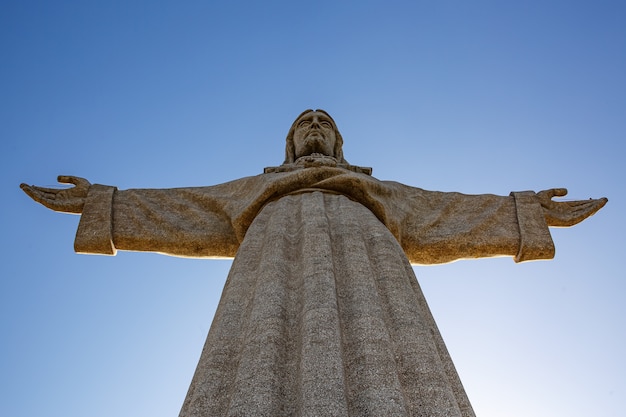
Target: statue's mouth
{"x":315,"y":134}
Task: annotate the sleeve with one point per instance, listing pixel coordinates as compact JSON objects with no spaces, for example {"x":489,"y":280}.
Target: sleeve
{"x":535,"y":241}
{"x":441,"y":227}
{"x":191,"y":222}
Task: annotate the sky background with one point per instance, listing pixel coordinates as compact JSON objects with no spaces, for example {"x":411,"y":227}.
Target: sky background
{"x":476,"y":97}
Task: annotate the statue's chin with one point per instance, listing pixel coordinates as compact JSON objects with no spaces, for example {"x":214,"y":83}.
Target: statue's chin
{"x":317,"y":153}
{"x":315,"y":147}
{"x":316,"y":144}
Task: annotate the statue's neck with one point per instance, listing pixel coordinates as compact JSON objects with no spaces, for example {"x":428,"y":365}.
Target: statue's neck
{"x":317,"y":160}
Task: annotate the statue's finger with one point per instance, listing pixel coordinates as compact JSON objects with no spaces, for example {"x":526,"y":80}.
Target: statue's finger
{"x":591,"y":204}
{"x":69,"y":179}
{"x":27,"y":189}
{"x":598,"y":204}
{"x":42,"y":195}
{"x":35,"y":194}
{"x":576,"y":204}
{"x":583,"y":211}
{"x":32,"y":191}
{"x":50,"y":191}
{"x":558,"y":192}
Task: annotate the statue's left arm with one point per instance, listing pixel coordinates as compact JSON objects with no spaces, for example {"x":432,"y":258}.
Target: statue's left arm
{"x":567,"y":213}
{"x":438,"y":227}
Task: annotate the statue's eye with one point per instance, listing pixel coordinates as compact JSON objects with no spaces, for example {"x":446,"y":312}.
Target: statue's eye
{"x":326,"y":124}
{"x":304,"y":123}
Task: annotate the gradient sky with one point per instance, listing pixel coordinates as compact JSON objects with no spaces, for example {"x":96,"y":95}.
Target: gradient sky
{"x":476,"y":97}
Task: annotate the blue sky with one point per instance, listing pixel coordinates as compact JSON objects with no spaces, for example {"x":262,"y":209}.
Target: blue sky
{"x":477,"y":97}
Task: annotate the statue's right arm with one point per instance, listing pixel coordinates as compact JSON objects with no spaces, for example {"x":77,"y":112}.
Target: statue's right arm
{"x":184,"y":222}
{"x":67,"y":200}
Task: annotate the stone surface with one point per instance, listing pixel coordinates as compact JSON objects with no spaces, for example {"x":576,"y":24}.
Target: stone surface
{"x":321,"y":314}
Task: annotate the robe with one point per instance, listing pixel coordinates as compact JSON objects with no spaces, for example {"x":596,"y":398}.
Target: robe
{"x":321,"y":314}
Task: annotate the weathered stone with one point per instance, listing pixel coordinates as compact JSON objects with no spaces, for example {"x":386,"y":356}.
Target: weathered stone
{"x":321,"y":314}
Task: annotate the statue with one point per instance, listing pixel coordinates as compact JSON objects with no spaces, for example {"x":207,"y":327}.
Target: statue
{"x":321,"y":314}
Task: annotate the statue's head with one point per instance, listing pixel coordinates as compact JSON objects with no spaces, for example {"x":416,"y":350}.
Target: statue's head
{"x":314,"y":131}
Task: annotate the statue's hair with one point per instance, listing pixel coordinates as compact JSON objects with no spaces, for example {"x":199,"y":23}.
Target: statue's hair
{"x":290,"y":149}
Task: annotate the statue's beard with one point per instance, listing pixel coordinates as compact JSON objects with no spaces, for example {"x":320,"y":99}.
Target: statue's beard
{"x":316,"y":144}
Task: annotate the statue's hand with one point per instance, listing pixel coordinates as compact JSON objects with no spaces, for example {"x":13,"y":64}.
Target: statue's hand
{"x":67,"y":200}
{"x":567,"y":213}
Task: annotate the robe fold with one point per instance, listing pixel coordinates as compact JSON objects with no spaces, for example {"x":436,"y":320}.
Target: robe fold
{"x":321,"y":314}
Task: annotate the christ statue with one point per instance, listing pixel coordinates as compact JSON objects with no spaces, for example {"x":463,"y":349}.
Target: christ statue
{"x":321,"y":314}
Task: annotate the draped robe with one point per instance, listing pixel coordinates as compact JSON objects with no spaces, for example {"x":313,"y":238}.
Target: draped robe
{"x":321,"y":314}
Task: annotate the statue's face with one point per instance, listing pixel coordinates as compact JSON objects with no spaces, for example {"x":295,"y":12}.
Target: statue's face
{"x":315,"y":133}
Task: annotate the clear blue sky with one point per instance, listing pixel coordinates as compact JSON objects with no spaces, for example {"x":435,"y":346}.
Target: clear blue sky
{"x":477,"y":97}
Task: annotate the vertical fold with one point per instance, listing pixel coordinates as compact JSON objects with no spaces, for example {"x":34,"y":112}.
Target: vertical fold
{"x":322,"y":390}
{"x":246,"y":338}
{"x":321,"y":315}
{"x":261,"y":386}
{"x":386,"y":280}
{"x":425,"y":377}
{"x":373,"y":386}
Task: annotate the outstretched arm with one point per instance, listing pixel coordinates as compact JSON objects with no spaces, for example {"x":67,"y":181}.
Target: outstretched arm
{"x":436,"y":227}
{"x":567,"y":213}
{"x":184,"y":221}
{"x":66,"y":200}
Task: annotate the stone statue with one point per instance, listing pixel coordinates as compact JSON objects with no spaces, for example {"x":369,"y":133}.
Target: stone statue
{"x":321,"y":314}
